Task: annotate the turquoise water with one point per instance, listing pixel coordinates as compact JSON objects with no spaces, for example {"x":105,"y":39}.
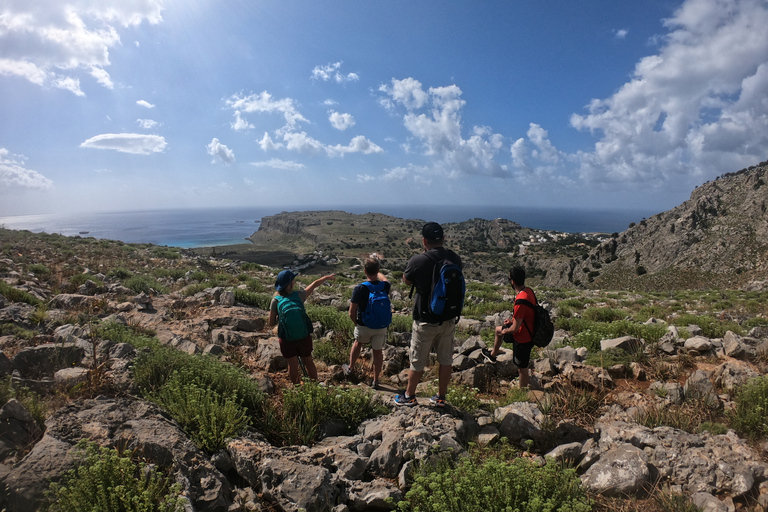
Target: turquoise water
{"x":208,"y":227}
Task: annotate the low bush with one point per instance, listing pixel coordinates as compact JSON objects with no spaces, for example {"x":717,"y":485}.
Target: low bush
{"x":305,"y":407}
{"x":144,"y":284}
{"x":459,"y":396}
{"x":750,"y":418}
{"x":255,"y":299}
{"x":38,"y":269}
{"x":401,"y":323}
{"x":16,"y":295}
{"x":104,"y":479}
{"x":496,"y":485}
{"x":334,"y":350}
{"x":331,"y":319}
{"x":31,"y":401}
{"x":711,"y":327}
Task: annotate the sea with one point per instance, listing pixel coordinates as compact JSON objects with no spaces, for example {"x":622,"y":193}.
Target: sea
{"x":209,"y":227}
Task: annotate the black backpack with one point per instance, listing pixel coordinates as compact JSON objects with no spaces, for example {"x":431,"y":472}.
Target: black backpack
{"x":543,"y":328}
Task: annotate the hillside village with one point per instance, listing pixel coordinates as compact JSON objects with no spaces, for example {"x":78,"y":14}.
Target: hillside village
{"x":648,"y":398}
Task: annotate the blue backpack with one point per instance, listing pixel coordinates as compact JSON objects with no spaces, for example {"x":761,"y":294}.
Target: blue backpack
{"x":293,"y":322}
{"x":378,"y":311}
{"x":448,"y":288}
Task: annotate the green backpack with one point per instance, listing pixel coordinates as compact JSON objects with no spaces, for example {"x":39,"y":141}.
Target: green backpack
{"x":293,"y":322}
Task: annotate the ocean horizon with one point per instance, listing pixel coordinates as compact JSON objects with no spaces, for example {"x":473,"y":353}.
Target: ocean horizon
{"x":209,"y":227}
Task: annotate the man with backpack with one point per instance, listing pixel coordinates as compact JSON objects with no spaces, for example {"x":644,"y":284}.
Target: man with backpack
{"x":294,"y":326}
{"x":519,"y":330}
{"x":434,"y":314}
{"x":371,"y":312}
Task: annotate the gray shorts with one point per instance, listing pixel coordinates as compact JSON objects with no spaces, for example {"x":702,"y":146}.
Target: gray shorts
{"x":376,"y":337}
{"x":425,"y":336}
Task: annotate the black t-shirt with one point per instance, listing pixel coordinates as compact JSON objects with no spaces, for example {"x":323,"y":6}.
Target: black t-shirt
{"x":419,"y":271}
{"x":360,"y":297}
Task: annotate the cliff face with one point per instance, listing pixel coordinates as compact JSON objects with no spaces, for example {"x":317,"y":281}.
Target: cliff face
{"x":719,"y":237}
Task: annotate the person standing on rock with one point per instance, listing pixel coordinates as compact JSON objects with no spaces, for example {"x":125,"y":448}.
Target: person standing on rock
{"x":294,"y":326}
{"x":371,"y":312}
{"x":518,"y":330}
{"x":430,"y":329}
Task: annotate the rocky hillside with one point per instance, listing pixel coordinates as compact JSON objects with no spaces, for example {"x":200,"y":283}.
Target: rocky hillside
{"x":718,"y":238}
{"x":640,"y":415}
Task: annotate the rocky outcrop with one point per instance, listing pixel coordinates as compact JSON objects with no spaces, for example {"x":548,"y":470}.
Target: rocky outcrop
{"x":719,"y":237}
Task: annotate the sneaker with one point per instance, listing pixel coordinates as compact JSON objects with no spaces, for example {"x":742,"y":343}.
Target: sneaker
{"x":375,"y":384}
{"x":438,"y":401}
{"x":405,"y":400}
{"x":345,"y":369}
{"x":487,"y":355}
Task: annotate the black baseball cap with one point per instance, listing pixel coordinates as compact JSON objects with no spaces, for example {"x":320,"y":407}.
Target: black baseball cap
{"x":432,"y":231}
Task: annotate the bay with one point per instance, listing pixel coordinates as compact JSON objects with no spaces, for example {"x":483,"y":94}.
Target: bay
{"x":208,"y":227}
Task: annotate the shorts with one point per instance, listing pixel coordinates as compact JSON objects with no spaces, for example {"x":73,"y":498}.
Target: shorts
{"x":425,"y":336}
{"x":300,"y":348}
{"x":376,"y":337}
{"x":521,"y":353}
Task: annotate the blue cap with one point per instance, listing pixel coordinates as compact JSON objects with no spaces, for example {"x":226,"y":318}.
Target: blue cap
{"x":284,"y":278}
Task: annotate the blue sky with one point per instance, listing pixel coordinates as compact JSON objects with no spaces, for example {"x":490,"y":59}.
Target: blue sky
{"x":115,"y":105}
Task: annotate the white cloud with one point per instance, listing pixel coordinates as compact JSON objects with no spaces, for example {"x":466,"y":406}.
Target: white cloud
{"x":248,"y":182}
{"x":407,"y":91}
{"x":303,"y":143}
{"x":364,"y":178}
{"x":440,"y":130}
{"x":621,"y":33}
{"x":220,"y":151}
{"x":276,"y":163}
{"x":536,"y":157}
{"x":240,"y":123}
{"x":147,"y":124}
{"x":135,"y":143}
{"x":697,"y":106}
{"x":396,"y":174}
{"x":331,"y":72}
{"x":358,"y":144}
{"x":263,"y":102}
{"x":102,"y":77}
{"x":340,"y":121}
{"x":330,"y":102}
{"x":14,"y":174}
{"x":145,"y":104}
{"x":68,"y":83}
{"x":267,"y":144}
{"x":45,"y":41}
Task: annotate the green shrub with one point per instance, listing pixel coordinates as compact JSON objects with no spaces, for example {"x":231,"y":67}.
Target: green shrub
{"x":208,"y":417}
{"x":331,"y":319}
{"x":305,"y":407}
{"x":603,"y":314}
{"x":459,"y":396}
{"x":122,"y":334}
{"x":496,"y":485}
{"x":195,"y":288}
{"x":166,"y":252}
{"x":144,"y":284}
{"x":514,"y":394}
{"x":210,"y":399}
{"x":711,"y":327}
{"x":401,"y":323}
{"x":16,"y":295}
{"x":258,"y":300}
{"x":29,"y":399}
{"x":120,"y":273}
{"x":250,"y":266}
{"x":332,"y":351}
{"x":610,"y":357}
{"x":38,"y":269}
{"x":750,"y":418}
{"x":103,"y":479}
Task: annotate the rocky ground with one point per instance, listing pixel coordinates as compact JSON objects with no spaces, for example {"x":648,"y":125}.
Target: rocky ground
{"x":593,"y":415}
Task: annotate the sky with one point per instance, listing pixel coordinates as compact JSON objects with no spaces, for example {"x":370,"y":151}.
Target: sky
{"x":115,"y":105}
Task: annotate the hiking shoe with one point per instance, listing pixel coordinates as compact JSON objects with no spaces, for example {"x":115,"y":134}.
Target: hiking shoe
{"x":375,"y":384}
{"x":405,"y":400}
{"x":487,"y":355}
{"x":345,"y":369}
{"x":438,"y":401}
